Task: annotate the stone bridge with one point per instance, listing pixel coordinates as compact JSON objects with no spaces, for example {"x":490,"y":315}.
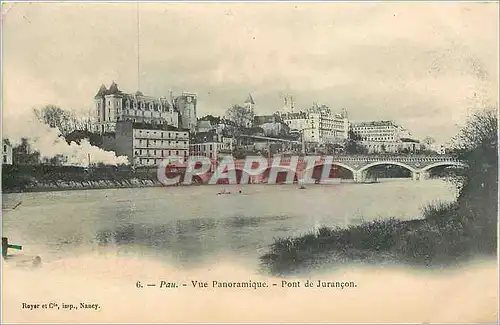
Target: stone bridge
{"x":418,"y":165}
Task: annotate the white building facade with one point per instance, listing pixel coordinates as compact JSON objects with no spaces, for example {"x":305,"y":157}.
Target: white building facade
{"x":212,"y":149}
{"x":319,"y":124}
{"x":148,"y":145}
{"x":380,"y":131}
{"x":374,"y":147}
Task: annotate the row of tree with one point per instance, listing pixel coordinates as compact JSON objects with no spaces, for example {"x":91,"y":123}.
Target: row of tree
{"x":57,"y":117}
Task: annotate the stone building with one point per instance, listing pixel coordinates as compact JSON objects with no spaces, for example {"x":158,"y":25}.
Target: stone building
{"x":112,"y":106}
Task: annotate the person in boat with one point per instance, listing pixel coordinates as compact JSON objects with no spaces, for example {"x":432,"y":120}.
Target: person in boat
{"x":223,"y":192}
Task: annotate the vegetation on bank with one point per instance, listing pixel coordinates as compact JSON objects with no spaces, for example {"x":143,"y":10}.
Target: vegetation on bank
{"x":19,"y":178}
{"x":447,"y":233}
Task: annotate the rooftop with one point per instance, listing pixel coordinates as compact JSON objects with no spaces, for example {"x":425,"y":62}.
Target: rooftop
{"x":375,"y":123}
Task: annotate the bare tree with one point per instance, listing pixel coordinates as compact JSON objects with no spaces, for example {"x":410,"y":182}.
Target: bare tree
{"x":56,"y":117}
{"x":429,"y":141}
{"x":240,"y":116}
{"x":477,"y":146}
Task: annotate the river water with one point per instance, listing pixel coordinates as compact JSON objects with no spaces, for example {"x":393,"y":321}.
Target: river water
{"x":187,"y":226}
{"x":96,"y":244}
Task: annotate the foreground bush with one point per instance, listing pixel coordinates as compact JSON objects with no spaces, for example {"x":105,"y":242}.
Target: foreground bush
{"x":425,"y":242}
{"x":447,"y":233}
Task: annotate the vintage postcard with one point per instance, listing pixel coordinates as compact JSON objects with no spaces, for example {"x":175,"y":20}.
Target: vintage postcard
{"x":250,"y":162}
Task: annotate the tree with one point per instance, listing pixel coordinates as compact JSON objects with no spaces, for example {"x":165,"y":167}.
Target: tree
{"x":353,"y":145}
{"x":214,"y":120}
{"x":354,"y":136}
{"x":476,"y":145}
{"x":56,"y":117}
{"x":23,"y":155}
{"x":241,"y":117}
{"x":429,"y":141}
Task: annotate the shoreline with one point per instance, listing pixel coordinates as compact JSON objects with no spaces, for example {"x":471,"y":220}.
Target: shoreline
{"x":59,"y":186}
{"x":150,"y":183}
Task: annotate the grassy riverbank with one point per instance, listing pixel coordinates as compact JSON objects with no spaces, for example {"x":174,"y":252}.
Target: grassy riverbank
{"x":34,"y":178}
{"x":438,"y":239}
{"x":446,"y":233}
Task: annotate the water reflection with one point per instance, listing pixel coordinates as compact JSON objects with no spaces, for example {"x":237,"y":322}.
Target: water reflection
{"x":191,"y":225}
{"x":193,"y":239}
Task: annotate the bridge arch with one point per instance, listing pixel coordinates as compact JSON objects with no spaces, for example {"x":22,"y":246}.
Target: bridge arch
{"x":389,"y":162}
{"x":442,"y":163}
{"x":239,"y":174}
{"x":335,"y":163}
{"x":281,"y":177}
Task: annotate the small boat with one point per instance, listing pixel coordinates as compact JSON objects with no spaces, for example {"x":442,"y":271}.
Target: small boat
{"x":25,"y":261}
{"x":223,"y":192}
{"x":302,"y":187}
{"x":371,"y":181}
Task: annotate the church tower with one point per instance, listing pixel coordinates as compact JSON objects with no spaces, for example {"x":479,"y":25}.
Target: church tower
{"x":250,"y":104}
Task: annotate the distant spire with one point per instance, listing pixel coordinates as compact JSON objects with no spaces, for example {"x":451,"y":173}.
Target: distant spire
{"x":250,"y":100}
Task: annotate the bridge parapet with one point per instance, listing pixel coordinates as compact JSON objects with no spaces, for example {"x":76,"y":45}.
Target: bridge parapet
{"x":395,"y":158}
{"x":342,"y":158}
{"x":360,"y":163}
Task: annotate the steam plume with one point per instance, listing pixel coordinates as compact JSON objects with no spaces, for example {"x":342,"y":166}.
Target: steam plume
{"x":50,"y":143}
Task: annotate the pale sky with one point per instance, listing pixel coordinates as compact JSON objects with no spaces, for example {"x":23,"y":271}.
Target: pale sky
{"x":423,"y":65}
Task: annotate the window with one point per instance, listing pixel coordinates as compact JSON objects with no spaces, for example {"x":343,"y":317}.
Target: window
{"x":177,"y":152}
{"x":4,"y":148}
{"x":4,"y":159}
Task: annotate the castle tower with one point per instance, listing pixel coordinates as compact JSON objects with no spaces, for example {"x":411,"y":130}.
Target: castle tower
{"x":108,"y":103}
{"x":186,"y":104}
{"x":100,"y":108}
